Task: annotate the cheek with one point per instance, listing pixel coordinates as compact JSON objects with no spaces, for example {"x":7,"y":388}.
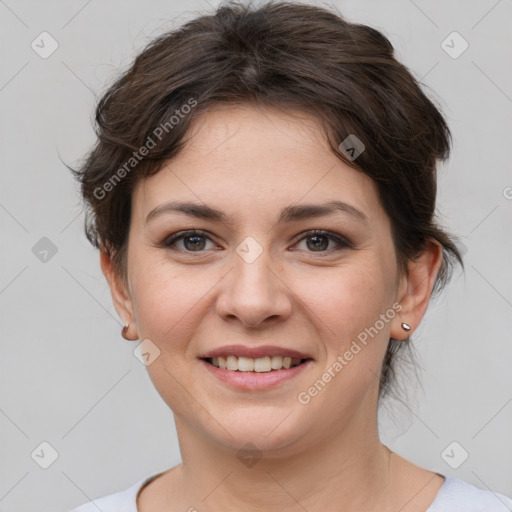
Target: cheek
{"x":348,"y":299}
{"x":168,"y":303}
{"x":350,"y":304}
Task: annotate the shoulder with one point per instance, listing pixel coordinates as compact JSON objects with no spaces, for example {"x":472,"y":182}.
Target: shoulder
{"x":457,"y":495}
{"x":125,"y":500}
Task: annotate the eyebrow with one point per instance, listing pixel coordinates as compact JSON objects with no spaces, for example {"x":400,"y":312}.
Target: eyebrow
{"x":288,"y":214}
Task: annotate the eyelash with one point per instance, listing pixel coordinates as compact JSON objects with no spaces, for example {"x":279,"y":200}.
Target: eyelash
{"x":342,"y":242}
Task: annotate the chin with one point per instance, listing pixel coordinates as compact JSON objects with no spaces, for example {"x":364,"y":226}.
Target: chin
{"x":264,"y":431}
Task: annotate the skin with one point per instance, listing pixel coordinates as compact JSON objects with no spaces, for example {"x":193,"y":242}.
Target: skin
{"x":322,"y":456}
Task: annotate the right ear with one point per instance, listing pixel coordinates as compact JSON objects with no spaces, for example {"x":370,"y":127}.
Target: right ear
{"x":118,"y":289}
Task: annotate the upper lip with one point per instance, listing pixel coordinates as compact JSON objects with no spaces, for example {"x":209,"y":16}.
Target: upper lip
{"x":254,"y":352}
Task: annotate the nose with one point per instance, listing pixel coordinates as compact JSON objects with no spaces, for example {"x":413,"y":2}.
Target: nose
{"x":254,"y":293}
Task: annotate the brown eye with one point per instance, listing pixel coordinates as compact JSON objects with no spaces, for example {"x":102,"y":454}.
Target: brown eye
{"x":318,"y":241}
{"x":196,"y":241}
{"x":193,"y":241}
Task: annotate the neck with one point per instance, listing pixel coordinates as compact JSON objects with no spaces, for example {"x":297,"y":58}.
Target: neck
{"x":344,"y":472}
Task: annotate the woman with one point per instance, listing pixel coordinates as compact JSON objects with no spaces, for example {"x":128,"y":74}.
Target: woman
{"x":262,"y":193}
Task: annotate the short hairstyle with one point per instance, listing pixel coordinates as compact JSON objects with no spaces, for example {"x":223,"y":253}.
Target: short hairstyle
{"x":286,"y":56}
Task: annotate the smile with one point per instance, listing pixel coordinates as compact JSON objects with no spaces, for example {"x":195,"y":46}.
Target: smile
{"x":262,"y":376}
{"x":257,"y":365}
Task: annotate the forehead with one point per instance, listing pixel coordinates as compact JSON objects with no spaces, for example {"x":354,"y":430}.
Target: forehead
{"x":259,"y":159}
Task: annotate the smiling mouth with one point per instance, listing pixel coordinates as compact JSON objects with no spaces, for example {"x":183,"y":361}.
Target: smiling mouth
{"x":255,"y":365}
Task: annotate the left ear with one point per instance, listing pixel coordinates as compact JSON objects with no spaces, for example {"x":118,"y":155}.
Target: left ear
{"x":414,"y":290}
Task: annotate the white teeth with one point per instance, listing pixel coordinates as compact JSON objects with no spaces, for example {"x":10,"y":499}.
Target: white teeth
{"x":262,"y":364}
{"x":232,"y":363}
{"x":258,"y":364}
{"x":277,"y":362}
{"x":246,"y":364}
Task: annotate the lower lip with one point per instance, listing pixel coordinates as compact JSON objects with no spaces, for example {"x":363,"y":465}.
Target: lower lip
{"x":255,"y":380}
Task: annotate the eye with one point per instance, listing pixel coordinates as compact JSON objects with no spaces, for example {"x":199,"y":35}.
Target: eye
{"x":320,"y":241}
{"x":193,"y":240}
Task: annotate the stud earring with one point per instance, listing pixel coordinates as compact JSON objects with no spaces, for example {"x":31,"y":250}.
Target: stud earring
{"x":124,"y":332}
{"x":406,"y":327}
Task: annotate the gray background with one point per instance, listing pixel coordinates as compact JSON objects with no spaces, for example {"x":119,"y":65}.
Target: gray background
{"x":66,"y":375}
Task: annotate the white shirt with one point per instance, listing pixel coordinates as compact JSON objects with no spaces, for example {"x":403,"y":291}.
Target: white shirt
{"x":455,"y":495}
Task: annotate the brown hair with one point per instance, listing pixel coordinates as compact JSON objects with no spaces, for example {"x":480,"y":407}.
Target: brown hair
{"x":284,"y":55}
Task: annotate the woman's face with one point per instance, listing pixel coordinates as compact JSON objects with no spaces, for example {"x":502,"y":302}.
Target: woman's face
{"x":257,"y":278}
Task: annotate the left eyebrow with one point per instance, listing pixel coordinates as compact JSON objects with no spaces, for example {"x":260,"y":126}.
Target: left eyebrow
{"x":290,"y":213}
{"x":308,"y":211}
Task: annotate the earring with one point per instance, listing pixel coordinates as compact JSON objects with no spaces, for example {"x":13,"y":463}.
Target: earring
{"x":124,"y":331}
{"x":406,"y":327}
